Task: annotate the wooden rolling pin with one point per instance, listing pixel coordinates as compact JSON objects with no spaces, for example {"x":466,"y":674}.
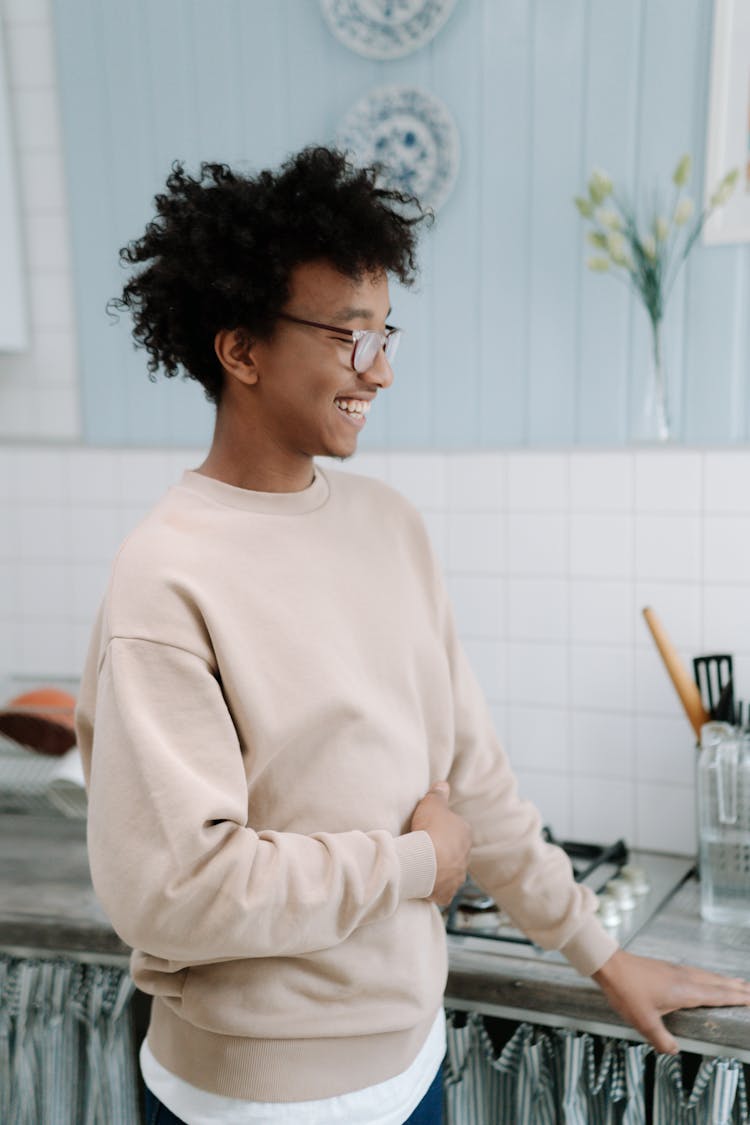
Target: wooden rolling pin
{"x":685,"y":685}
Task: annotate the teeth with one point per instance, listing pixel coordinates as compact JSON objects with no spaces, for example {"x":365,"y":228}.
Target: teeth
{"x":353,"y":405}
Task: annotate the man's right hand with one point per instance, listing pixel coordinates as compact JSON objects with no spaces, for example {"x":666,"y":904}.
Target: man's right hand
{"x":451,"y":838}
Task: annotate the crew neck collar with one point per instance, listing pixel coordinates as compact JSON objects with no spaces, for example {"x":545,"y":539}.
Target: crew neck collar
{"x":269,"y":503}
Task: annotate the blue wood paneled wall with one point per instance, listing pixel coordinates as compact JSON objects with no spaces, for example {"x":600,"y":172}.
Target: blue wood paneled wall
{"x":510,"y":341}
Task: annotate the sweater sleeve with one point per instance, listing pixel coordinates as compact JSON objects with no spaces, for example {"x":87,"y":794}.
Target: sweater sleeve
{"x":173,"y":860}
{"x":531,"y":879}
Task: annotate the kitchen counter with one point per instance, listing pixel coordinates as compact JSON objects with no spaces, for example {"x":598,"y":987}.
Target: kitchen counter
{"x":551,"y":992}
{"x":47,"y":906}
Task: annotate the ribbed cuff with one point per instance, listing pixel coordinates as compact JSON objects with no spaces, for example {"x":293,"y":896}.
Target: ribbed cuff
{"x":590,"y":947}
{"x":416,"y":854}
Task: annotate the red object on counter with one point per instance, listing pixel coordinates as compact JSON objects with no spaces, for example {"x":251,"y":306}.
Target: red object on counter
{"x":41,"y":720}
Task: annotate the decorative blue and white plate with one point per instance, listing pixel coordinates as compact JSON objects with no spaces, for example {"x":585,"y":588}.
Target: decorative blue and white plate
{"x":385,"y":29}
{"x":412,"y":134}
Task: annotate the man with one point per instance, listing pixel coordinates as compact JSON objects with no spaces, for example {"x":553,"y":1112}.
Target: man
{"x":289,"y":761}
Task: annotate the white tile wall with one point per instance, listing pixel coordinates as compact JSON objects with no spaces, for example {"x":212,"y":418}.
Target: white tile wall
{"x":476,"y":542}
{"x":726,"y":482}
{"x":478,"y":604}
{"x":577,"y":691}
{"x":538,"y":674}
{"x":537,"y":482}
{"x":668,"y":546}
{"x":38,"y":388}
{"x":537,"y":609}
{"x":604,"y":808}
{"x":602,"y":744}
{"x":601,"y":482}
{"x":537,"y":543}
{"x":726,"y":548}
{"x":538,"y":738}
{"x":668,"y":484}
{"x":552,"y":793}
{"x":601,"y":545}
{"x":601,"y":612}
{"x":665,"y":817}
{"x":489,"y":660}
{"x":601,"y":678}
{"x":420,"y":477}
{"x":476,"y":482}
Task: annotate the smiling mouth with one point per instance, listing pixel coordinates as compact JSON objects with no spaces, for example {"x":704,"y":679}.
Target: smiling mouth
{"x":353,"y":409}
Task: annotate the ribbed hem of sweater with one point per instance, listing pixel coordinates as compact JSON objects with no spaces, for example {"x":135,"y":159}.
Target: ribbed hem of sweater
{"x":279,"y":1070}
{"x":590,"y":947}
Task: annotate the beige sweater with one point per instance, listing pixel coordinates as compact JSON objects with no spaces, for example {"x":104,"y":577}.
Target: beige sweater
{"x":273,"y":683}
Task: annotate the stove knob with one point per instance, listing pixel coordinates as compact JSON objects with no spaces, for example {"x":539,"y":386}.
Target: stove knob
{"x":608,"y":911}
{"x":637,"y":878}
{"x":622,"y":892}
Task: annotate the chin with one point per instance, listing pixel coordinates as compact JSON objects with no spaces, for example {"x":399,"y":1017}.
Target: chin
{"x":335,"y":450}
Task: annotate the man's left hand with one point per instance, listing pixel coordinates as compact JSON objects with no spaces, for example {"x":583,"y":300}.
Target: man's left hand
{"x":642,"y":990}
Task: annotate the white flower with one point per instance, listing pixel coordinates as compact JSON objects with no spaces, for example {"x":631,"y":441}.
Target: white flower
{"x":599,"y":265}
{"x":597,"y":238}
{"x":600,"y":186}
{"x":683,"y":211}
{"x":725,"y":189}
{"x":649,"y":247}
{"x":609,"y":219}
{"x":681,"y":173}
{"x":661,"y":229}
{"x":616,"y":245}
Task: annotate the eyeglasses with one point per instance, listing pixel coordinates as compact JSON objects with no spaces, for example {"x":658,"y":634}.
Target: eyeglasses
{"x":367,"y":343}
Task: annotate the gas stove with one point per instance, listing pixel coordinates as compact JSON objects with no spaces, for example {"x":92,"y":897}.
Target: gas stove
{"x":631,"y":886}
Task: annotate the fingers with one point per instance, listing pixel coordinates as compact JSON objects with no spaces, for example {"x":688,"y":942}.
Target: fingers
{"x":659,"y":1038}
{"x":697,"y":988}
{"x":726,"y":994}
{"x":451,"y":838}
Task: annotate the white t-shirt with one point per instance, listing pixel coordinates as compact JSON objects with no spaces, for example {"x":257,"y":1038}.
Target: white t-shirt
{"x":387,"y":1103}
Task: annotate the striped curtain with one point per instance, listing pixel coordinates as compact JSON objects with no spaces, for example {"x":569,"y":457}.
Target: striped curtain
{"x":718,"y":1095}
{"x":543,"y":1076}
{"x":67,"y":1052}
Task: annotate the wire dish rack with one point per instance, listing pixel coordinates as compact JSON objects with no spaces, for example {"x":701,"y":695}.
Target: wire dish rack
{"x":37,"y":783}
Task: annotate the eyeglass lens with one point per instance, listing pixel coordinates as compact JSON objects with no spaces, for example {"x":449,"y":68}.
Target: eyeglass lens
{"x":367,"y":347}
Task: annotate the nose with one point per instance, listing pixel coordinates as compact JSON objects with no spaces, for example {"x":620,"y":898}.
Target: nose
{"x":381,"y":372}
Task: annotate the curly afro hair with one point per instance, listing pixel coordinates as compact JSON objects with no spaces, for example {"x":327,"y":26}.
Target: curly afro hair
{"x":222,"y":247}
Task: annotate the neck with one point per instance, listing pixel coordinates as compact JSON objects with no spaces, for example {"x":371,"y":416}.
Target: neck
{"x":246,"y":456}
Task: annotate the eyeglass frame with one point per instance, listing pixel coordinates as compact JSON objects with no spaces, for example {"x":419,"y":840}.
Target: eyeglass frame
{"x":356,"y":334}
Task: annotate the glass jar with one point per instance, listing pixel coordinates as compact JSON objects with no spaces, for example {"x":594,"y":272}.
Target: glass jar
{"x":723,"y":785}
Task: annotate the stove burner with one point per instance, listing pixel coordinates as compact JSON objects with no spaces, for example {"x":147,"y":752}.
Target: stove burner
{"x":649,"y":880}
{"x":586,"y":858}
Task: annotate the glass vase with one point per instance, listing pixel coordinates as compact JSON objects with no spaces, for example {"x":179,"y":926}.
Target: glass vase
{"x":655,"y":424}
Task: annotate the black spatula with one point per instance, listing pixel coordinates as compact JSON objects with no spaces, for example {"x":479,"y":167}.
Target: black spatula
{"x":714,"y":677}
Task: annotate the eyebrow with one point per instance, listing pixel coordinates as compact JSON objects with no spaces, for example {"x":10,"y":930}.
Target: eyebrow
{"x":350,"y":313}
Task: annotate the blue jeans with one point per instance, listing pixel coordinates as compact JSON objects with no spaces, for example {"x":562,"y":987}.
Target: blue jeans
{"x":428,"y":1112}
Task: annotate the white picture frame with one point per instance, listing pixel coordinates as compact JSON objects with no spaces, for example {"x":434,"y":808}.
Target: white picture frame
{"x":728,"y":141}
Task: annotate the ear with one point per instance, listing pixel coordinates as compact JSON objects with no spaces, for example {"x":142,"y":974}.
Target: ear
{"x":234,"y":350}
